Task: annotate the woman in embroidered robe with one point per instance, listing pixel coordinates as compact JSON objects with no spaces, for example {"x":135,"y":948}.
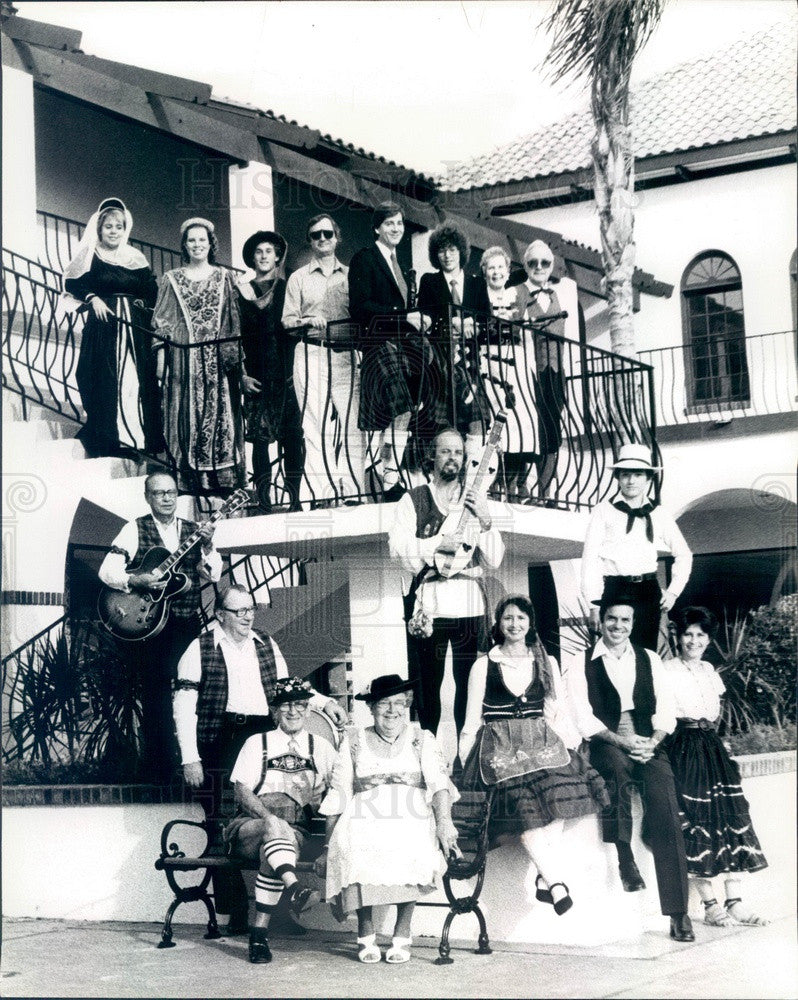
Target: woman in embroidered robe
{"x":199,"y":363}
{"x":719,"y":838}
{"x":389,"y":824}
{"x":525,"y":748}
{"x":111,"y":283}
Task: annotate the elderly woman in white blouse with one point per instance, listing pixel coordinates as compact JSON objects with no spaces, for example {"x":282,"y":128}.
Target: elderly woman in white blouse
{"x":519,"y":740}
{"x":719,"y":838}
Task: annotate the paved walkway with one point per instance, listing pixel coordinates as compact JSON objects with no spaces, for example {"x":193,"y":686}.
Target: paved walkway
{"x":49,"y":958}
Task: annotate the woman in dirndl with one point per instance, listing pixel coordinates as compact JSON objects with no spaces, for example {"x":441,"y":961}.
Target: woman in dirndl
{"x":389,"y":821}
{"x":525,"y":749}
{"x":112,"y":285}
{"x":719,"y":837}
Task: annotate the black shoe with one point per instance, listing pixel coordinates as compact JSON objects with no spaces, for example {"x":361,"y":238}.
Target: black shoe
{"x":681,"y":928}
{"x":393,"y":494}
{"x":631,"y":879}
{"x":542,"y":894}
{"x":259,"y":951}
{"x":301,"y":898}
{"x":562,"y":905}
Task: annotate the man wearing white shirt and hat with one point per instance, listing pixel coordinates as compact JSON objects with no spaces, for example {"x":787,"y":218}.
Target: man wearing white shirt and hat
{"x":624,"y":538}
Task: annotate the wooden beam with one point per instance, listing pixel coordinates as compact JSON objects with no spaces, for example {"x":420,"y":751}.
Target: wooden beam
{"x":148,"y":80}
{"x":264,"y":126}
{"x":51,"y":36}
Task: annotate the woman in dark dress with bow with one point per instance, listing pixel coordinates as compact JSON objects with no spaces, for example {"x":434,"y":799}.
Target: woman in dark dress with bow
{"x":112,"y":285}
{"x":271,"y":409}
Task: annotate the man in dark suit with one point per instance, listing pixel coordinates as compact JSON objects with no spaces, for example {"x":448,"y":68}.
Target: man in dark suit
{"x":455,"y":300}
{"x":398,"y":372}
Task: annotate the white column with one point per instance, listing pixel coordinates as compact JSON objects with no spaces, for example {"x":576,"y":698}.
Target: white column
{"x":251,"y":204}
{"x":419,"y":246}
{"x":19,"y":164}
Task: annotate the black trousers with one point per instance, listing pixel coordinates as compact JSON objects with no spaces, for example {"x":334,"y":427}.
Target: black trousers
{"x":426,"y":661}
{"x":218,"y":758}
{"x":154,"y":664}
{"x":662,"y":831}
{"x":645,"y":630}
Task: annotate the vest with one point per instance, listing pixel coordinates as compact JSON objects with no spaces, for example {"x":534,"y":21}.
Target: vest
{"x":605,"y":700}
{"x":212,"y":693}
{"x":429,"y":519}
{"x":500,"y":703}
{"x":548,"y":353}
{"x":187,"y":604}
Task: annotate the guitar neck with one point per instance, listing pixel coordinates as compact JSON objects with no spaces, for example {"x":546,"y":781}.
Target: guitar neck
{"x":484,"y":465}
{"x":234,"y":502}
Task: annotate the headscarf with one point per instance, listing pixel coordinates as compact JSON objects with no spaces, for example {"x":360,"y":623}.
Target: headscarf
{"x":124,"y":255}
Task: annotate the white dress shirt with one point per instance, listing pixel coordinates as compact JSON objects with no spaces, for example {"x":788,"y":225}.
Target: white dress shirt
{"x":248,"y":767}
{"x":113,"y":572}
{"x":697,"y":689}
{"x":610,"y":551}
{"x":388,"y":254}
{"x":245,"y":694}
{"x":621,"y":672}
{"x":310,"y":292}
{"x":460,"y":596}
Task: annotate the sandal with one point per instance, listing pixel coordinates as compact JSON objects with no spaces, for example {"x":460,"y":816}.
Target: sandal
{"x":748,"y":919}
{"x":368,"y":952}
{"x":562,"y":905}
{"x":542,"y":895}
{"x":715,"y":915}
{"x":399,"y":951}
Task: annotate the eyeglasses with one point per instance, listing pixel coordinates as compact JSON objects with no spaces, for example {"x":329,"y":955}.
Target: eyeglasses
{"x":240,"y":613}
{"x":534,"y":262}
{"x":321,"y":234}
{"x":163,"y":494}
{"x":295,"y":706}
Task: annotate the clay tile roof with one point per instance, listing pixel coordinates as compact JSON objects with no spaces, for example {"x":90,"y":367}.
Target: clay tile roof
{"x":743,"y":91}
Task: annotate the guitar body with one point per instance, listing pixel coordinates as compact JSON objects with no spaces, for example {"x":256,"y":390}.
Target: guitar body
{"x":460,"y":523}
{"x":141,"y":613}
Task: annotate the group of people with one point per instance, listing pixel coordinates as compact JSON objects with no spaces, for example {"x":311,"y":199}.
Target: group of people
{"x":339,"y":367}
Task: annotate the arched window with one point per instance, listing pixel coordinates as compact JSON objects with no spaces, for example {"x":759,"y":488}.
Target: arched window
{"x":714,"y":331}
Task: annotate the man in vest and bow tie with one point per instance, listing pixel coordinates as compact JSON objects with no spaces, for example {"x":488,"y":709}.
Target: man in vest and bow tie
{"x":623,"y":705}
{"x":624,"y":538}
{"x":226,"y":680}
{"x":280,"y":778}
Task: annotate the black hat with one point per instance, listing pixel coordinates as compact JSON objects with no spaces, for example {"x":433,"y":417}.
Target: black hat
{"x":290,"y":689}
{"x":383,"y":687}
{"x":263,"y":236}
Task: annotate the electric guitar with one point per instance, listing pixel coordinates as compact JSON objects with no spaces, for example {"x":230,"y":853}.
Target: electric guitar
{"x":142,"y":612}
{"x":460,"y":524}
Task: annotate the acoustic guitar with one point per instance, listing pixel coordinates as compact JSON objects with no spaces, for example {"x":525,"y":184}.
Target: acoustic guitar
{"x":142,"y":612}
{"x":460,"y":523}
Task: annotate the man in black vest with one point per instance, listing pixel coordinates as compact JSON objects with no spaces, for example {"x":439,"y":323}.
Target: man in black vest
{"x":155,"y":659}
{"x":225,"y":681}
{"x":623,"y":705}
{"x":456,"y":605}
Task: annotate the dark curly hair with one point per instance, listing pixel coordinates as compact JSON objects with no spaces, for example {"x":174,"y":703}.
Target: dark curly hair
{"x":214,"y":243}
{"x":703,"y":617}
{"x":447,"y":235}
{"x":532,"y":639}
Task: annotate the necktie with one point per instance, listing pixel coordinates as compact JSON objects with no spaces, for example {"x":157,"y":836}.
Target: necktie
{"x":457,"y":298}
{"x":399,"y":277}
{"x":643,"y":511}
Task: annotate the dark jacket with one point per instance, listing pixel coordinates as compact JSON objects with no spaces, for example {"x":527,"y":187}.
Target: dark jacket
{"x":373,"y":292}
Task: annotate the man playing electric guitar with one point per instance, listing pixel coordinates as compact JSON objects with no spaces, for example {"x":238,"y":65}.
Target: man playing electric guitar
{"x":154,"y":660}
{"x":425,"y":541}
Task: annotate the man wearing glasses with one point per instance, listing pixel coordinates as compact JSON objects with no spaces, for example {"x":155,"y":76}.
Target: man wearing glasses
{"x":154,"y":660}
{"x":325,"y":376}
{"x":225,"y":682}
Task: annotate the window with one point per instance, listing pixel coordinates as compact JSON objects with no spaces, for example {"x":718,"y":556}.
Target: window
{"x":714,"y":332}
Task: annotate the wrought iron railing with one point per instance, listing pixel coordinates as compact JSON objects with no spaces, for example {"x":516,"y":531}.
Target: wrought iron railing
{"x":719,"y":379}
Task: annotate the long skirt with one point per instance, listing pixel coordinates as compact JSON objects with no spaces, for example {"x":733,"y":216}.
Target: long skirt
{"x":719,"y":836}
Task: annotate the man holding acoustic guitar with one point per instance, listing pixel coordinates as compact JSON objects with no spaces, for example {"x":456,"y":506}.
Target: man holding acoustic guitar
{"x":169,"y":624}
{"x":444,"y":537}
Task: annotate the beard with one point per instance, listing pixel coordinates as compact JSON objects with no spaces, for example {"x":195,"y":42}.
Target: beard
{"x":448,"y":474}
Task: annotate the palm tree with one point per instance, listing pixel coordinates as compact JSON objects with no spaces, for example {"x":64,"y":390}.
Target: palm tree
{"x":600,"y":39}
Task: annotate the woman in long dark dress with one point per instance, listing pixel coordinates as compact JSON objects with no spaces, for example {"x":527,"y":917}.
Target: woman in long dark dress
{"x":271,"y":409}
{"x":719,"y":838}
{"x":525,"y":749}
{"x":112,"y":284}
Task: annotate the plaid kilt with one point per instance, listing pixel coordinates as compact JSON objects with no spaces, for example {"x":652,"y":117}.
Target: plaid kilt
{"x":397,"y":376}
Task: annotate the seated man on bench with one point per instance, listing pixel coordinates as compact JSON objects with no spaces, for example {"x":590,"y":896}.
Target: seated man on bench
{"x":280,"y":777}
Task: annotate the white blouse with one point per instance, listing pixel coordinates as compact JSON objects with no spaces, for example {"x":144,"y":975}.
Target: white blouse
{"x":697,"y":689}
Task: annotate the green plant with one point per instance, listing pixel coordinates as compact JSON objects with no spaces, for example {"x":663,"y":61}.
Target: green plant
{"x":770,"y":652}
{"x":762,"y":738}
{"x":749,"y":697}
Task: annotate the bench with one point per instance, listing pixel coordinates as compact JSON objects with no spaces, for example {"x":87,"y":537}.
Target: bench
{"x":172,"y":861}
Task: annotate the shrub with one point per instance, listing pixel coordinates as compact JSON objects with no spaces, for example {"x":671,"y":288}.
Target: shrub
{"x":769,"y":652}
{"x":761,"y":738}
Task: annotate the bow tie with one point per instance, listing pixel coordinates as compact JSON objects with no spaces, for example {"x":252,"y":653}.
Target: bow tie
{"x":643,"y":511}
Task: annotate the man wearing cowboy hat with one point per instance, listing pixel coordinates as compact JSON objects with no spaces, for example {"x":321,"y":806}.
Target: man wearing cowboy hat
{"x":624,"y":538}
{"x":622,"y":704}
{"x":280,"y":778}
